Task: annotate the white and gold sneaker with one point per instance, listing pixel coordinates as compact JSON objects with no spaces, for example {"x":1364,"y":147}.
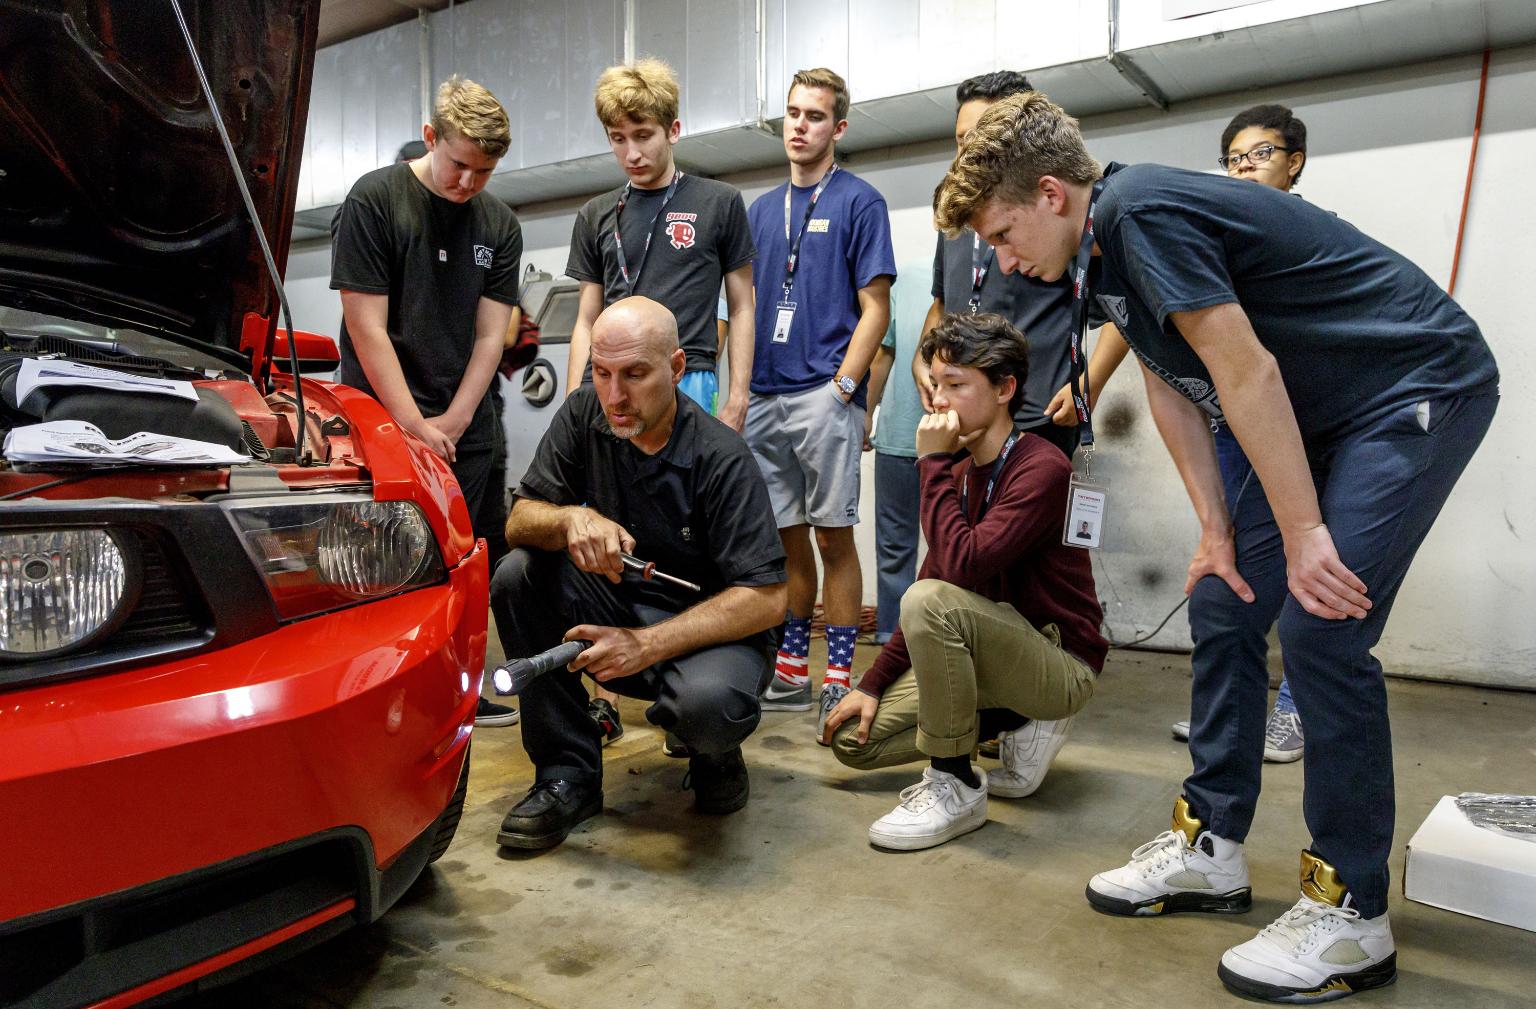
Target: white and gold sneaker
{"x":1318,"y":951}
{"x":1183,"y":869}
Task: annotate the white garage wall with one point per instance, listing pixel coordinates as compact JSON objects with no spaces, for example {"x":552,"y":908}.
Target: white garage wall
{"x":1389,"y":153}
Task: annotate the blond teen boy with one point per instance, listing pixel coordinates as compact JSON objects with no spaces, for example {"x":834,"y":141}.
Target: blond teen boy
{"x":427,"y":266}
{"x":679,"y":236}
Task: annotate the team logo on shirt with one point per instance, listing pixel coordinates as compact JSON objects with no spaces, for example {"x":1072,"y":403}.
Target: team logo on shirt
{"x":819,"y":225}
{"x":483,"y":256}
{"x":1115,"y":306}
{"x":681,"y":234}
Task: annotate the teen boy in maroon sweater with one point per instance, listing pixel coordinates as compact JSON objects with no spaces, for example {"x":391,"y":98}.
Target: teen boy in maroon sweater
{"x":1000,"y":631}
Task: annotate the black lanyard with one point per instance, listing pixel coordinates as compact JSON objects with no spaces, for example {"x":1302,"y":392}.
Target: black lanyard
{"x":965,"y":485}
{"x":794,"y":249}
{"x":981,"y":262}
{"x":1080,"y":323}
{"x":618,"y":237}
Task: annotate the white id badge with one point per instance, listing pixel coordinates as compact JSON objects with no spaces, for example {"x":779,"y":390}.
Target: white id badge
{"x":782,"y":322}
{"x":1085,"y":514}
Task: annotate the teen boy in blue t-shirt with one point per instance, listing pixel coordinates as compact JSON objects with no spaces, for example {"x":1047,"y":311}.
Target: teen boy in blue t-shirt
{"x":823,"y":277}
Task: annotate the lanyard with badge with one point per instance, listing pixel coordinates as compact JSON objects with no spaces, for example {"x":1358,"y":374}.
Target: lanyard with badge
{"x":1085,"y":498}
{"x":618,"y":238}
{"x":965,"y":485}
{"x":981,"y":262}
{"x":786,"y":307}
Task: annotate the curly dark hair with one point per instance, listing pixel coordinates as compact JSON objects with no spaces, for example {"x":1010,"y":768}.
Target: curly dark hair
{"x":992,"y":87}
{"x":1270,"y":117}
{"x":985,"y":341}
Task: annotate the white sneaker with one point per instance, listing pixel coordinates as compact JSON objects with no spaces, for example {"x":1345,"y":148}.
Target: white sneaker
{"x":831,"y":694}
{"x":1314,"y":952}
{"x":1026,"y":753}
{"x":1169,"y":874}
{"x":935,"y":810}
{"x":1181,"y":731}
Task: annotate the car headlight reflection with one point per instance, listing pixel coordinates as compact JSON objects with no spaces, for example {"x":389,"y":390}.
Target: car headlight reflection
{"x":60,"y":589}
{"x":322,"y":555}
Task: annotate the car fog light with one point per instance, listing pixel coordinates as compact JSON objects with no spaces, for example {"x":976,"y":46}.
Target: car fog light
{"x":60,"y":589}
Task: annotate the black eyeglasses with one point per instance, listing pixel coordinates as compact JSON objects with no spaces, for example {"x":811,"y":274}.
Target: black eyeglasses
{"x":1255,"y":157}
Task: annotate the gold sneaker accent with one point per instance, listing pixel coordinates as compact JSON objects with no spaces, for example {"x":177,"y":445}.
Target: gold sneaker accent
{"x":1185,"y":822}
{"x":1321,"y":882}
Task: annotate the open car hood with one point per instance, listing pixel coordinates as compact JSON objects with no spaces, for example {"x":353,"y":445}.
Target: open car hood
{"x":116,"y":197}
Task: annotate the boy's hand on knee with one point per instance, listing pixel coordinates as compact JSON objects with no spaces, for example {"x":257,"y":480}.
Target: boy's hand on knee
{"x":855,"y":704}
{"x":1320,"y":581}
{"x":1217,"y":555}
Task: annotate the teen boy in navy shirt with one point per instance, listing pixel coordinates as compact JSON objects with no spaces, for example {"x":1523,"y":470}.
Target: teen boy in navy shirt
{"x":823,"y":277}
{"x":1359,"y":391}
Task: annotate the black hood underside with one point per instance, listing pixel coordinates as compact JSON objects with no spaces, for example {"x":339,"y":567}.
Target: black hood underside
{"x":116,"y":196}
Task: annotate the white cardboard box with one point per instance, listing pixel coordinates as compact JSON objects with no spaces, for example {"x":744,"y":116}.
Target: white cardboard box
{"x":1455,"y":864}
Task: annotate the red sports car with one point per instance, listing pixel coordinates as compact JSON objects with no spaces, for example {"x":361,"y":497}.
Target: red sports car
{"x":236,"y":694}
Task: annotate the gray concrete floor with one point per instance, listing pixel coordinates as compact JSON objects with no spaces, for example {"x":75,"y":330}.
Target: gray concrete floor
{"x":785,"y":905}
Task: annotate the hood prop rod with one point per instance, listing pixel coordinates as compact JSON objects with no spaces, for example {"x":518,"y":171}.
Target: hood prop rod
{"x":261,"y":237}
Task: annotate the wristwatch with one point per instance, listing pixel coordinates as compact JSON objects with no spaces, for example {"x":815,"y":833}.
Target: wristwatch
{"x":845,"y":385}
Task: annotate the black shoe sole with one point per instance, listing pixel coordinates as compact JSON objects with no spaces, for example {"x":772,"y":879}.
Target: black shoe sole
{"x":1235,"y":902}
{"x":1338,"y":986}
{"x":723,"y":806}
{"x":536,"y":842}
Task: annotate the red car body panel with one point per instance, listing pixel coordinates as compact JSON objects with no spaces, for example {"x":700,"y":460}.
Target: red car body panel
{"x":222,"y":781}
{"x":356,"y":718}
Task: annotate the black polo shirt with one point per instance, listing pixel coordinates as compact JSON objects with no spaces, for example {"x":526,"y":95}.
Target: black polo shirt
{"x":698,"y":508}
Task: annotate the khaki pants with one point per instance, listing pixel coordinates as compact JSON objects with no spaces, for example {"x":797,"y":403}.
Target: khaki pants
{"x":968,"y":653}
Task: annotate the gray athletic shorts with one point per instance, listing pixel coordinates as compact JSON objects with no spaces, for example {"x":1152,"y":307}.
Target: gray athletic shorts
{"x":808,"y":445}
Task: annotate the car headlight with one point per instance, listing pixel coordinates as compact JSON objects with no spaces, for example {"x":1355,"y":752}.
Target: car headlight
{"x":320,"y":555}
{"x":61,"y":589}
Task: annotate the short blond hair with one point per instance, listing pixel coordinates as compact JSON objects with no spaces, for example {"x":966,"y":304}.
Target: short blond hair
{"x":1015,"y":142}
{"x":466,"y":109}
{"x":821,"y":77}
{"x":646,"y":89}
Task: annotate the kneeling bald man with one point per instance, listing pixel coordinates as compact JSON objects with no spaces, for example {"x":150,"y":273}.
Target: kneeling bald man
{"x":630,"y":466}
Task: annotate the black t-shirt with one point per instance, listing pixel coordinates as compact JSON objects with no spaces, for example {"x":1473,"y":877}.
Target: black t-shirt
{"x":1041,"y":311}
{"x":1357,"y":330}
{"x":698,"y":508}
{"x":435,"y":259}
{"x":701,"y":236}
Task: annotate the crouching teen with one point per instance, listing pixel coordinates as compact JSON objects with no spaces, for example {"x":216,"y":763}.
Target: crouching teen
{"x":1000,"y":632}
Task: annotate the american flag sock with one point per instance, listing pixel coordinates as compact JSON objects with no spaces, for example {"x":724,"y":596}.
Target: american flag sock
{"x":790,"y":666}
{"x":840,"y":641}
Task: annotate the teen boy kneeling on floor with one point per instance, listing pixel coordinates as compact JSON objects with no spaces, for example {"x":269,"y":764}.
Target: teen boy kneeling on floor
{"x":1001,"y":629}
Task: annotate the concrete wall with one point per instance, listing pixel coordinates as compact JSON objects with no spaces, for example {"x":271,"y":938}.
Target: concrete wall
{"x":1389,"y":153}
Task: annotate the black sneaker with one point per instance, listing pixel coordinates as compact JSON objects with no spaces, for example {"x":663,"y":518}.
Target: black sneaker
{"x":719,"y":781}
{"x":491,"y":714}
{"x":548,"y":812}
{"x":607,"y":718}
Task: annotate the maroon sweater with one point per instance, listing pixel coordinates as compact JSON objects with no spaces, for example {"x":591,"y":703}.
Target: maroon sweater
{"x":1013,"y":554}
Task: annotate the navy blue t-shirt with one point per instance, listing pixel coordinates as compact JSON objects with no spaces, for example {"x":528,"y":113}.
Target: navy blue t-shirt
{"x":847,"y":245}
{"x":1357,"y":330}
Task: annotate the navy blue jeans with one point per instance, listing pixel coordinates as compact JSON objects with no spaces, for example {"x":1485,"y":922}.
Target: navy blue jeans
{"x":1380,"y":488}
{"x":897,"y":509}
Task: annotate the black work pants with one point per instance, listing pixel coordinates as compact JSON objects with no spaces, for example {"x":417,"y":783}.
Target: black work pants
{"x":709,"y":698}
